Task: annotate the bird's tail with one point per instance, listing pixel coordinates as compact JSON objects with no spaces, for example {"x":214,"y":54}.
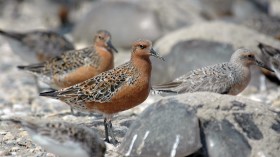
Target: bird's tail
{"x":166,"y":89}
{"x":36,"y":68}
{"x":53,"y":94}
{"x":164,"y":92}
{"x":13,"y":35}
{"x":11,"y":119}
{"x":167,"y":86}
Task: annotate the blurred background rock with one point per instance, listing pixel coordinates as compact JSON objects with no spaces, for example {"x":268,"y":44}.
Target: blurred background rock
{"x":188,"y":33}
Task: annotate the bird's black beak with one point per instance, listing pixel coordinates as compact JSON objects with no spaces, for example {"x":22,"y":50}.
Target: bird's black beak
{"x":155,"y":54}
{"x":260,"y":64}
{"x":111,"y":46}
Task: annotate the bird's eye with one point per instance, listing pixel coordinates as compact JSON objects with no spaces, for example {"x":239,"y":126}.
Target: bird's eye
{"x":250,"y":56}
{"x":100,"y":37}
{"x":142,"y":46}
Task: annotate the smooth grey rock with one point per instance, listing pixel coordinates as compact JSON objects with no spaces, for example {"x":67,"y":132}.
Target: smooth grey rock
{"x":247,"y":9}
{"x":126,"y":21}
{"x":274,"y":8}
{"x":246,"y":122}
{"x":187,"y":55}
{"x":262,"y":5}
{"x":222,"y":139}
{"x":216,"y":31}
{"x":276,"y":126}
{"x":173,"y":16}
{"x":254,"y":121}
{"x":163,"y":129}
{"x":214,"y":9}
{"x":263,"y":23}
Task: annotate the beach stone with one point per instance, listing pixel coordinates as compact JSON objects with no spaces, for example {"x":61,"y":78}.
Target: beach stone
{"x":252,"y":125}
{"x":173,"y":16}
{"x":193,"y":54}
{"x":163,"y":129}
{"x":265,"y":24}
{"x":126,"y":21}
{"x":222,"y":139}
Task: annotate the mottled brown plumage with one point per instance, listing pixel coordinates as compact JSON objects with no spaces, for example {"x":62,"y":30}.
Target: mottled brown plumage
{"x":76,"y":66}
{"x":225,"y":78}
{"x":115,"y":90}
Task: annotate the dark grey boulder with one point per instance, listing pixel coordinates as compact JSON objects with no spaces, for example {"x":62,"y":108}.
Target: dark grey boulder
{"x":187,"y":55}
{"x":163,"y":129}
{"x":233,"y":125}
{"x":126,"y":21}
{"x":222,"y":139}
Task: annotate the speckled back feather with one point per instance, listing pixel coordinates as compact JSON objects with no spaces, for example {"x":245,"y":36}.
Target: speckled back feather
{"x":65,"y":63}
{"x":217,"y":78}
{"x":100,"y":88}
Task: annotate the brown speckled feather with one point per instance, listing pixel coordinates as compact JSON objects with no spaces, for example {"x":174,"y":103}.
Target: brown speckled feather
{"x":115,"y":90}
{"x":119,"y":89}
{"x":102,"y":87}
{"x":67,"y":62}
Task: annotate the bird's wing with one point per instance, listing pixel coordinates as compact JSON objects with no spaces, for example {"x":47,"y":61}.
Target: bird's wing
{"x":72,"y":60}
{"x":34,"y":68}
{"x":100,"y":88}
{"x":67,"y":62}
{"x":216,"y":78}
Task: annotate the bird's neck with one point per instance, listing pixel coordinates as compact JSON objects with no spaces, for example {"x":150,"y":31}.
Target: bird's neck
{"x":143,"y":64}
{"x":244,"y":72}
{"x":106,"y":56}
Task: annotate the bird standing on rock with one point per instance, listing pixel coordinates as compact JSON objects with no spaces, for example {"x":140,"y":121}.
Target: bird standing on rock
{"x":226,"y":78}
{"x":113,"y":91}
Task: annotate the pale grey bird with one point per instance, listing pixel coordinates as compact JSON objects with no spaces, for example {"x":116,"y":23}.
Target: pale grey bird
{"x":225,"y":78}
{"x":64,"y":139}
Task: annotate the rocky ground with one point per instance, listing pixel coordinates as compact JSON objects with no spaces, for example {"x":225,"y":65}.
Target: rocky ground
{"x":198,"y":124}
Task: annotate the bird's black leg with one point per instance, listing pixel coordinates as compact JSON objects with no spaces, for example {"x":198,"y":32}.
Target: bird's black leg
{"x":109,"y":132}
{"x":74,"y":113}
{"x":106,"y":130}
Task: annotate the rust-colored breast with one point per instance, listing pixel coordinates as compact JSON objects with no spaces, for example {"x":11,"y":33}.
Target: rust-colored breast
{"x":87,"y":71}
{"x":79,"y":75}
{"x":107,"y":59}
{"x":126,"y":98}
{"x":129,"y":95}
